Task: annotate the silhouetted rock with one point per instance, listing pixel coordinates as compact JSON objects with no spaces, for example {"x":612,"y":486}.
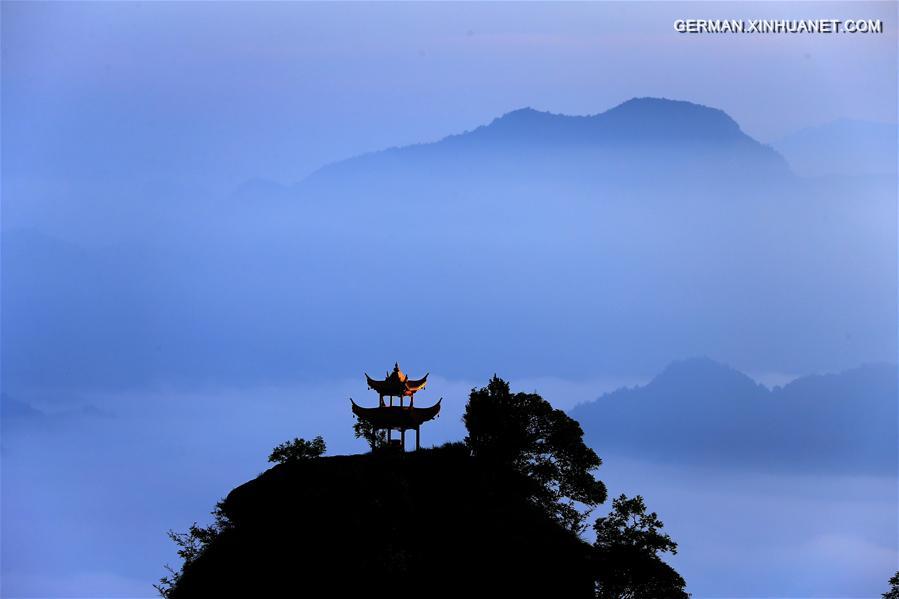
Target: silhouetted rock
{"x":433,"y":523}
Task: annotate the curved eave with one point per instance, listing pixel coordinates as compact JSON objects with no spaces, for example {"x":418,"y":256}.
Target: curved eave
{"x":397,"y":417}
{"x":416,"y":385}
{"x":430,"y":412}
{"x":396,"y":384}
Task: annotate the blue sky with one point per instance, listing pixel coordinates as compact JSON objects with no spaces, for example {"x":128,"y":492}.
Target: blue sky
{"x":188,"y":328}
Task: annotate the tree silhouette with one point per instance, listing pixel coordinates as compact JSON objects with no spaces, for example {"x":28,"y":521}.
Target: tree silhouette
{"x":191,"y":545}
{"x":546,"y":445}
{"x":628,"y":544}
{"x":297,"y":450}
{"x":375,"y":438}
{"x":893,"y":593}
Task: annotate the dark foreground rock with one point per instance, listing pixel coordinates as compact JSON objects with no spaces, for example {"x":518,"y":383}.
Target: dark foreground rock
{"x":436,"y":523}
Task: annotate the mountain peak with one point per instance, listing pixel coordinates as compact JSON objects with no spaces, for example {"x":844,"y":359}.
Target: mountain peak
{"x":647,"y":103}
{"x":663,"y":117}
{"x":637,"y":119}
{"x":522,"y":121}
{"x":704,"y":371}
{"x":673,"y":136}
{"x":519,"y":113}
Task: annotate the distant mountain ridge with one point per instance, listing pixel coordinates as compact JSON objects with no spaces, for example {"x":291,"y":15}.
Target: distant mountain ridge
{"x":634,"y":120}
{"x":680,"y":136}
{"x":701,"y":242}
{"x":673,"y":124}
{"x":702,"y":412}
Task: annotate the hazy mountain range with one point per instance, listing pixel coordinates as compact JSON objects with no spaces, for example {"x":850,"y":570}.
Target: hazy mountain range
{"x":674,"y":139}
{"x":571,"y":246}
{"x":702,"y":412}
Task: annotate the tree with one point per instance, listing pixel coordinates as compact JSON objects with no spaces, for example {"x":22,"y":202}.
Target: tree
{"x":628,"y":544}
{"x":374,"y":437}
{"x":893,"y":593}
{"x":191,"y":545}
{"x":298,"y":450}
{"x":546,"y":445}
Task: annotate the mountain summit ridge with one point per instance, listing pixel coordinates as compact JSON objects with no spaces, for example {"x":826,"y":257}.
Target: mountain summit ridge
{"x":675,"y":138}
{"x":698,"y":411}
{"x":639,"y":118}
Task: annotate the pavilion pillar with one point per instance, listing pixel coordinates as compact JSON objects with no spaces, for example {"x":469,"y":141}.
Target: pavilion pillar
{"x":417,"y":440}
{"x":403,"y":438}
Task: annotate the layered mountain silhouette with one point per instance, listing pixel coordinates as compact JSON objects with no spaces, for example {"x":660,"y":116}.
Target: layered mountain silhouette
{"x":435,"y":523}
{"x":702,"y":412}
{"x":617,"y":147}
{"x":22,"y":416}
{"x":653,"y":229}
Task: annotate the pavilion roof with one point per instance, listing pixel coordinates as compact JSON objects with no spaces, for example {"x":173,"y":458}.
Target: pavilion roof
{"x":396,"y":417}
{"x":397,"y":384}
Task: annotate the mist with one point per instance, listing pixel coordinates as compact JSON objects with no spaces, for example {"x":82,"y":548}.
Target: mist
{"x":215,"y":218}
